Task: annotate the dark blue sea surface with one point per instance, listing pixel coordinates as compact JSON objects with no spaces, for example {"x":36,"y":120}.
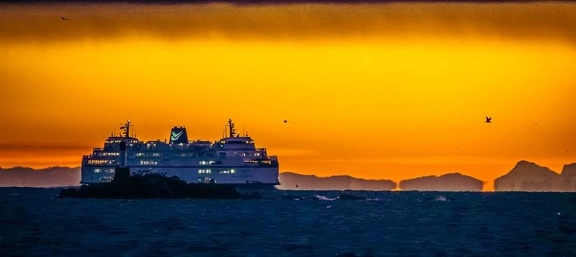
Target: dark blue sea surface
{"x":33,"y":222}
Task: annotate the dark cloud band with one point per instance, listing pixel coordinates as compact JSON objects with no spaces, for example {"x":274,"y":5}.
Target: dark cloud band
{"x":75,"y":21}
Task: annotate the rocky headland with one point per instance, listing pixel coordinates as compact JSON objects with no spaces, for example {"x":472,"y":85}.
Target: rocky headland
{"x":531,"y":177}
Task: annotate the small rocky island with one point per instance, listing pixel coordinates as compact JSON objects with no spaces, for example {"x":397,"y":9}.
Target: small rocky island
{"x":294,"y":181}
{"x":124,"y":186}
{"x":446,"y":182}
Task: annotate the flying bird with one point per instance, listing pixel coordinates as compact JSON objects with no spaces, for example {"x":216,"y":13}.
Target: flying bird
{"x":64,"y":18}
{"x":488,"y":119}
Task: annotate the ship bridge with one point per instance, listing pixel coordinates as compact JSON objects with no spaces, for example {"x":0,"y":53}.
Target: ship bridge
{"x":112,"y":143}
{"x":117,"y":139}
{"x":237,"y":143}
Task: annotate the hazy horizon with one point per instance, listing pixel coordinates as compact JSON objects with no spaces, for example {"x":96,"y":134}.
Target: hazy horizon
{"x":527,"y":174}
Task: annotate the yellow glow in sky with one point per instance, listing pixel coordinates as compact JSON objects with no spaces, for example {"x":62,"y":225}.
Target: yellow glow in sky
{"x":369,"y":106}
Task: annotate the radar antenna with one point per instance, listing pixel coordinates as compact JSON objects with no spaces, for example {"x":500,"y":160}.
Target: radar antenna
{"x":126,"y":129}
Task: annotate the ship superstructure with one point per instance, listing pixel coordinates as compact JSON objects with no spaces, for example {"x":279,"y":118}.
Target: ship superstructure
{"x":234,"y":159}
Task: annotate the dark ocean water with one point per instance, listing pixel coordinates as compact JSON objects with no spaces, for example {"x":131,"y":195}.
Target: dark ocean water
{"x":291,"y":223}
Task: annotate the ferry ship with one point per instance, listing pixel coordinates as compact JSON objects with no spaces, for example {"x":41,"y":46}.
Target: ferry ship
{"x":233,"y":160}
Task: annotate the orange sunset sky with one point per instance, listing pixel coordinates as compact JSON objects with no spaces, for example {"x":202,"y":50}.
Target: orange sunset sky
{"x":378,"y":91}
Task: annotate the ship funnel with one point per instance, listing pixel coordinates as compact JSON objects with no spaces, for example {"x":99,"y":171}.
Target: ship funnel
{"x":178,"y":135}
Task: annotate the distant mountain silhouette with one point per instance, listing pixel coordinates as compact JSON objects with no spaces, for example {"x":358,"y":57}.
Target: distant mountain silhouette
{"x":290,"y":180}
{"x":525,"y":176}
{"x":48,"y":177}
{"x":447,"y":182}
{"x":529,"y":176}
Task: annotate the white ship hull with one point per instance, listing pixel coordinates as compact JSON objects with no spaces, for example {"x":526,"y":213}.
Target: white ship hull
{"x":231,"y":160}
{"x":241,"y":175}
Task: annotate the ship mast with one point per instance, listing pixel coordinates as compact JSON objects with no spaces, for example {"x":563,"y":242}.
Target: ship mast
{"x":126,"y":128}
{"x":231,"y":125}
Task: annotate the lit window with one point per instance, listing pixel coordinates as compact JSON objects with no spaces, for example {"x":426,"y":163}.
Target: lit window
{"x":203,"y":171}
{"x":148,"y":163}
{"x":98,"y":162}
